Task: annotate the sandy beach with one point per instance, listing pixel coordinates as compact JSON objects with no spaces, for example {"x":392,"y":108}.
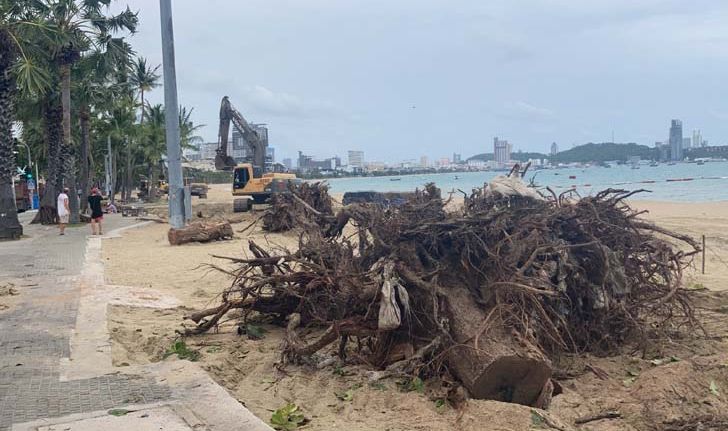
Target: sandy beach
{"x":248,"y":368}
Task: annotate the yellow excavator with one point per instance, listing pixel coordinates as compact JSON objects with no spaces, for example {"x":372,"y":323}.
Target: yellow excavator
{"x":253,"y":181}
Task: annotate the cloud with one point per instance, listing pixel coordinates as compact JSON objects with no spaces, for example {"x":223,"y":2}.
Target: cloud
{"x":283,"y":104}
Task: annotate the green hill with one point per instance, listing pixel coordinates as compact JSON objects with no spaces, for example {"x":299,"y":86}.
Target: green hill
{"x":605,"y":152}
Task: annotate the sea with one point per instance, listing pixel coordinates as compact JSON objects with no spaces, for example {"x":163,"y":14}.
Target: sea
{"x":681,"y":182}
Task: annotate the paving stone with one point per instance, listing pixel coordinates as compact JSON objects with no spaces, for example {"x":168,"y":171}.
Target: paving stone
{"x":35,"y":333}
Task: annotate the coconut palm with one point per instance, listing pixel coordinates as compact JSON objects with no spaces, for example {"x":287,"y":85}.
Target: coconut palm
{"x":19,"y":66}
{"x":80,"y":25}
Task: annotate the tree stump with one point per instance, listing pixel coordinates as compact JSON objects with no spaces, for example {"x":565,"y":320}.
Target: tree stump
{"x":200,"y":232}
{"x":489,"y":359}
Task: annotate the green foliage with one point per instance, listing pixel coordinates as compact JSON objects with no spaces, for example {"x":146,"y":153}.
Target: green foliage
{"x":255,"y":332}
{"x":287,"y":418}
{"x":411,"y":385}
{"x":537,"y":420}
{"x":605,"y":152}
{"x":440,"y":405}
{"x":119,"y":412}
{"x":180,"y":349}
{"x":348,"y":395}
{"x":714,"y":388}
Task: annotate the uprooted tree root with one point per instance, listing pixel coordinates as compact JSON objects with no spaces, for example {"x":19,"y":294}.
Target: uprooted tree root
{"x":288,"y":210}
{"x":488,"y":293}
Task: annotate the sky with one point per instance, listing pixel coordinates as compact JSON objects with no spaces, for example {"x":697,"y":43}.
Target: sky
{"x":407,"y":78}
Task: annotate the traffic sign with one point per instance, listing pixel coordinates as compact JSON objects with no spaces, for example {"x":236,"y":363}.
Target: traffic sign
{"x":30,"y":184}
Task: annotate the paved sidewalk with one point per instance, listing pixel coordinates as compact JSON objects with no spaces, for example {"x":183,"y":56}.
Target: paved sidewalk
{"x":35,"y":332}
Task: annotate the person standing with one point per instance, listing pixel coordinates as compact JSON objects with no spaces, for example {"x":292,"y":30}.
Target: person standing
{"x":97,"y":214}
{"x":63,"y":210}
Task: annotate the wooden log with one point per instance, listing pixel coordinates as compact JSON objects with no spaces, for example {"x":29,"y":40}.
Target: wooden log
{"x":489,"y":359}
{"x":200,"y":232}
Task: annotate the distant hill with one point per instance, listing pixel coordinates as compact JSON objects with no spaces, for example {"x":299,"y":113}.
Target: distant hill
{"x":605,"y":152}
{"x":521,"y":156}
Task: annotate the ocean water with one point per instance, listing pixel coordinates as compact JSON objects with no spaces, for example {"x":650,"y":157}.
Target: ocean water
{"x":708,"y":182}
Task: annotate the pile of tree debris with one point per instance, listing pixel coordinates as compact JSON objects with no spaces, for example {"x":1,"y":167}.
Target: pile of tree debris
{"x":289,"y":210}
{"x":489,"y":294}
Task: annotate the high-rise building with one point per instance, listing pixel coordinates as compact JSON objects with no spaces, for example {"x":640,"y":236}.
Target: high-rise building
{"x":676,"y":140}
{"x":501,"y":151}
{"x":424,"y":162}
{"x":288,"y":163}
{"x":456,"y":158}
{"x":554,"y":149}
{"x":356,"y":159}
{"x":270,"y":155}
{"x":687,"y":143}
{"x":697,"y":139}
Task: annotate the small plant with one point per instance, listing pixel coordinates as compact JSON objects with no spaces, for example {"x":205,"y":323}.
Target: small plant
{"x":378,"y":386}
{"x":348,"y":395}
{"x":180,"y":349}
{"x":440,"y":405}
{"x":411,"y":385}
{"x":287,"y":418}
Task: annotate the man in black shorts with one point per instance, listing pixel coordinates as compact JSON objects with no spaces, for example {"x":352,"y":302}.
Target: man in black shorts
{"x":94,"y":202}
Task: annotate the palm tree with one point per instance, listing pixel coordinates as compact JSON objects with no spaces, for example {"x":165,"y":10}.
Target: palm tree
{"x":80,"y":25}
{"x":19,"y":30}
{"x":144,"y":78}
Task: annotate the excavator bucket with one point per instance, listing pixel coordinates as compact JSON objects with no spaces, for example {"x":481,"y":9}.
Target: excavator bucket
{"x":224,"y":163}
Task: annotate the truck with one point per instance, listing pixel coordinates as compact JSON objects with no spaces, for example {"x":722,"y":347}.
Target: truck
{"x":254,"y":180}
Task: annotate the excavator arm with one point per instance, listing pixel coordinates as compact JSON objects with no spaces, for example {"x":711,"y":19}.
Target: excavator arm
{"x":228,"y":114}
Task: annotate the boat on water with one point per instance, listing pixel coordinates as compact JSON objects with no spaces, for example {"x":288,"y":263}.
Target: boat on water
{"x":653,"y":164}
{"x":395,"y":179}
{"x":671,"y":164}
{"x":701,"y":162}
{"x":635,"y":166}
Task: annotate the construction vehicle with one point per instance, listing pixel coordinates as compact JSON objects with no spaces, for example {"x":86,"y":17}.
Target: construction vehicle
{"x":253,"y":181}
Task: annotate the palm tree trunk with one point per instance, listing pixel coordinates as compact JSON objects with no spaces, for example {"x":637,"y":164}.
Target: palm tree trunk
{"x":67,"y":148}
{"x":10,"y":227}
{"x":52,"y":118}
{"x":129,"y":174}
{"x":84,"y":157}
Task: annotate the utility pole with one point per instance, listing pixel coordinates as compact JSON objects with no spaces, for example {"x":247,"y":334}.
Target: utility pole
{"x":174,"y":153}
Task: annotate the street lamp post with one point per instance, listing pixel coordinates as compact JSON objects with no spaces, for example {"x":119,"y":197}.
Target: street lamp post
{"x":174,"y":153}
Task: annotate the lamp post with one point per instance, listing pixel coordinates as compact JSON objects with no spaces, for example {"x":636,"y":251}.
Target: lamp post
{"x":176,"y":192}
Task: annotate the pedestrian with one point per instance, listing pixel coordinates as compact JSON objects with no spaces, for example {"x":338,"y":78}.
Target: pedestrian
{"x":97,"y":214}
{"x":63,"y":210}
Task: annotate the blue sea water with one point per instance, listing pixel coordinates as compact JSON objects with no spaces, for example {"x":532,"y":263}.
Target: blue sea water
{"x":708,"y":182}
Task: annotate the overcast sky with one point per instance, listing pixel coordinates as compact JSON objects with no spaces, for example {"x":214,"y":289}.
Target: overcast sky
{"x":406,"y":78}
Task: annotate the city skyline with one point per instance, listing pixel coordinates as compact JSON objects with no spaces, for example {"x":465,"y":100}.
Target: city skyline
{"x":569,"y":72}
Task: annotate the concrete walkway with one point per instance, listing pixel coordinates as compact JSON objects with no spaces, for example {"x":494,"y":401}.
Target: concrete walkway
{"x":55,"y":351}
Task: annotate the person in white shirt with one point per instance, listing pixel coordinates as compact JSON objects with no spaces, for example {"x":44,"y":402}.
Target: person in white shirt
{"x":63,"y":210}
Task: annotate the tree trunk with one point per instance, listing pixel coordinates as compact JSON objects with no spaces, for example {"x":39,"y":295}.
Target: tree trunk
{"x":10,"y":227}
{"x":84,"y":157}
{"x":67,"y":152}
{"x":200,"y":232}
{"x":52,"y":118}
{"x":129,"y":173}
{"x":488,"y":358}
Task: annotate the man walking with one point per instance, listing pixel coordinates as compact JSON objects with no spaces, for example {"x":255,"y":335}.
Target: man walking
{"x":63,"y":210}
{"x":97,"y":214}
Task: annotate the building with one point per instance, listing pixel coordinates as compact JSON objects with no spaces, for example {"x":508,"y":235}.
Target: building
{"x":501,"y":151}
{"x":676,"y":140}
{"x":356,"y":159}
{"x":697,"y":139}
{"x":554,"y":149}
{"x":208,"y":151}
{"x":307,"y":163}
{"x":424,"y":162}
{"x":288,"y":163}
{"x":687,"y":143}
{"x":270,"y":155}
{"x":457,"y":158}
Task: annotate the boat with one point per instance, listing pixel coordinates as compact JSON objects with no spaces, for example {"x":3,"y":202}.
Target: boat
{"x":635,"y":166}
{"x":671,"y":164}
{"x":653,"y":164}
{"x":701,"y":162}
{"x":395,"y":179}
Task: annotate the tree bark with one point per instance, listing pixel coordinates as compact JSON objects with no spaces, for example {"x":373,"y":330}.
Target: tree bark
{"x":200,"y":232}
{"x":488,"y":358}
{"x":54,"y":175}
{"x":84,"y":157}
{"x":10,"y":227}
{"x":68,"y":155}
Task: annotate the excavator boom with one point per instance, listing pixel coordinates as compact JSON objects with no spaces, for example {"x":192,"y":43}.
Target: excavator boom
{"x":228,"y":114}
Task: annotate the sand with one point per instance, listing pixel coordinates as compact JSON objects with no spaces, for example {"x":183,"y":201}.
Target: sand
{"x":670,"y":381}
